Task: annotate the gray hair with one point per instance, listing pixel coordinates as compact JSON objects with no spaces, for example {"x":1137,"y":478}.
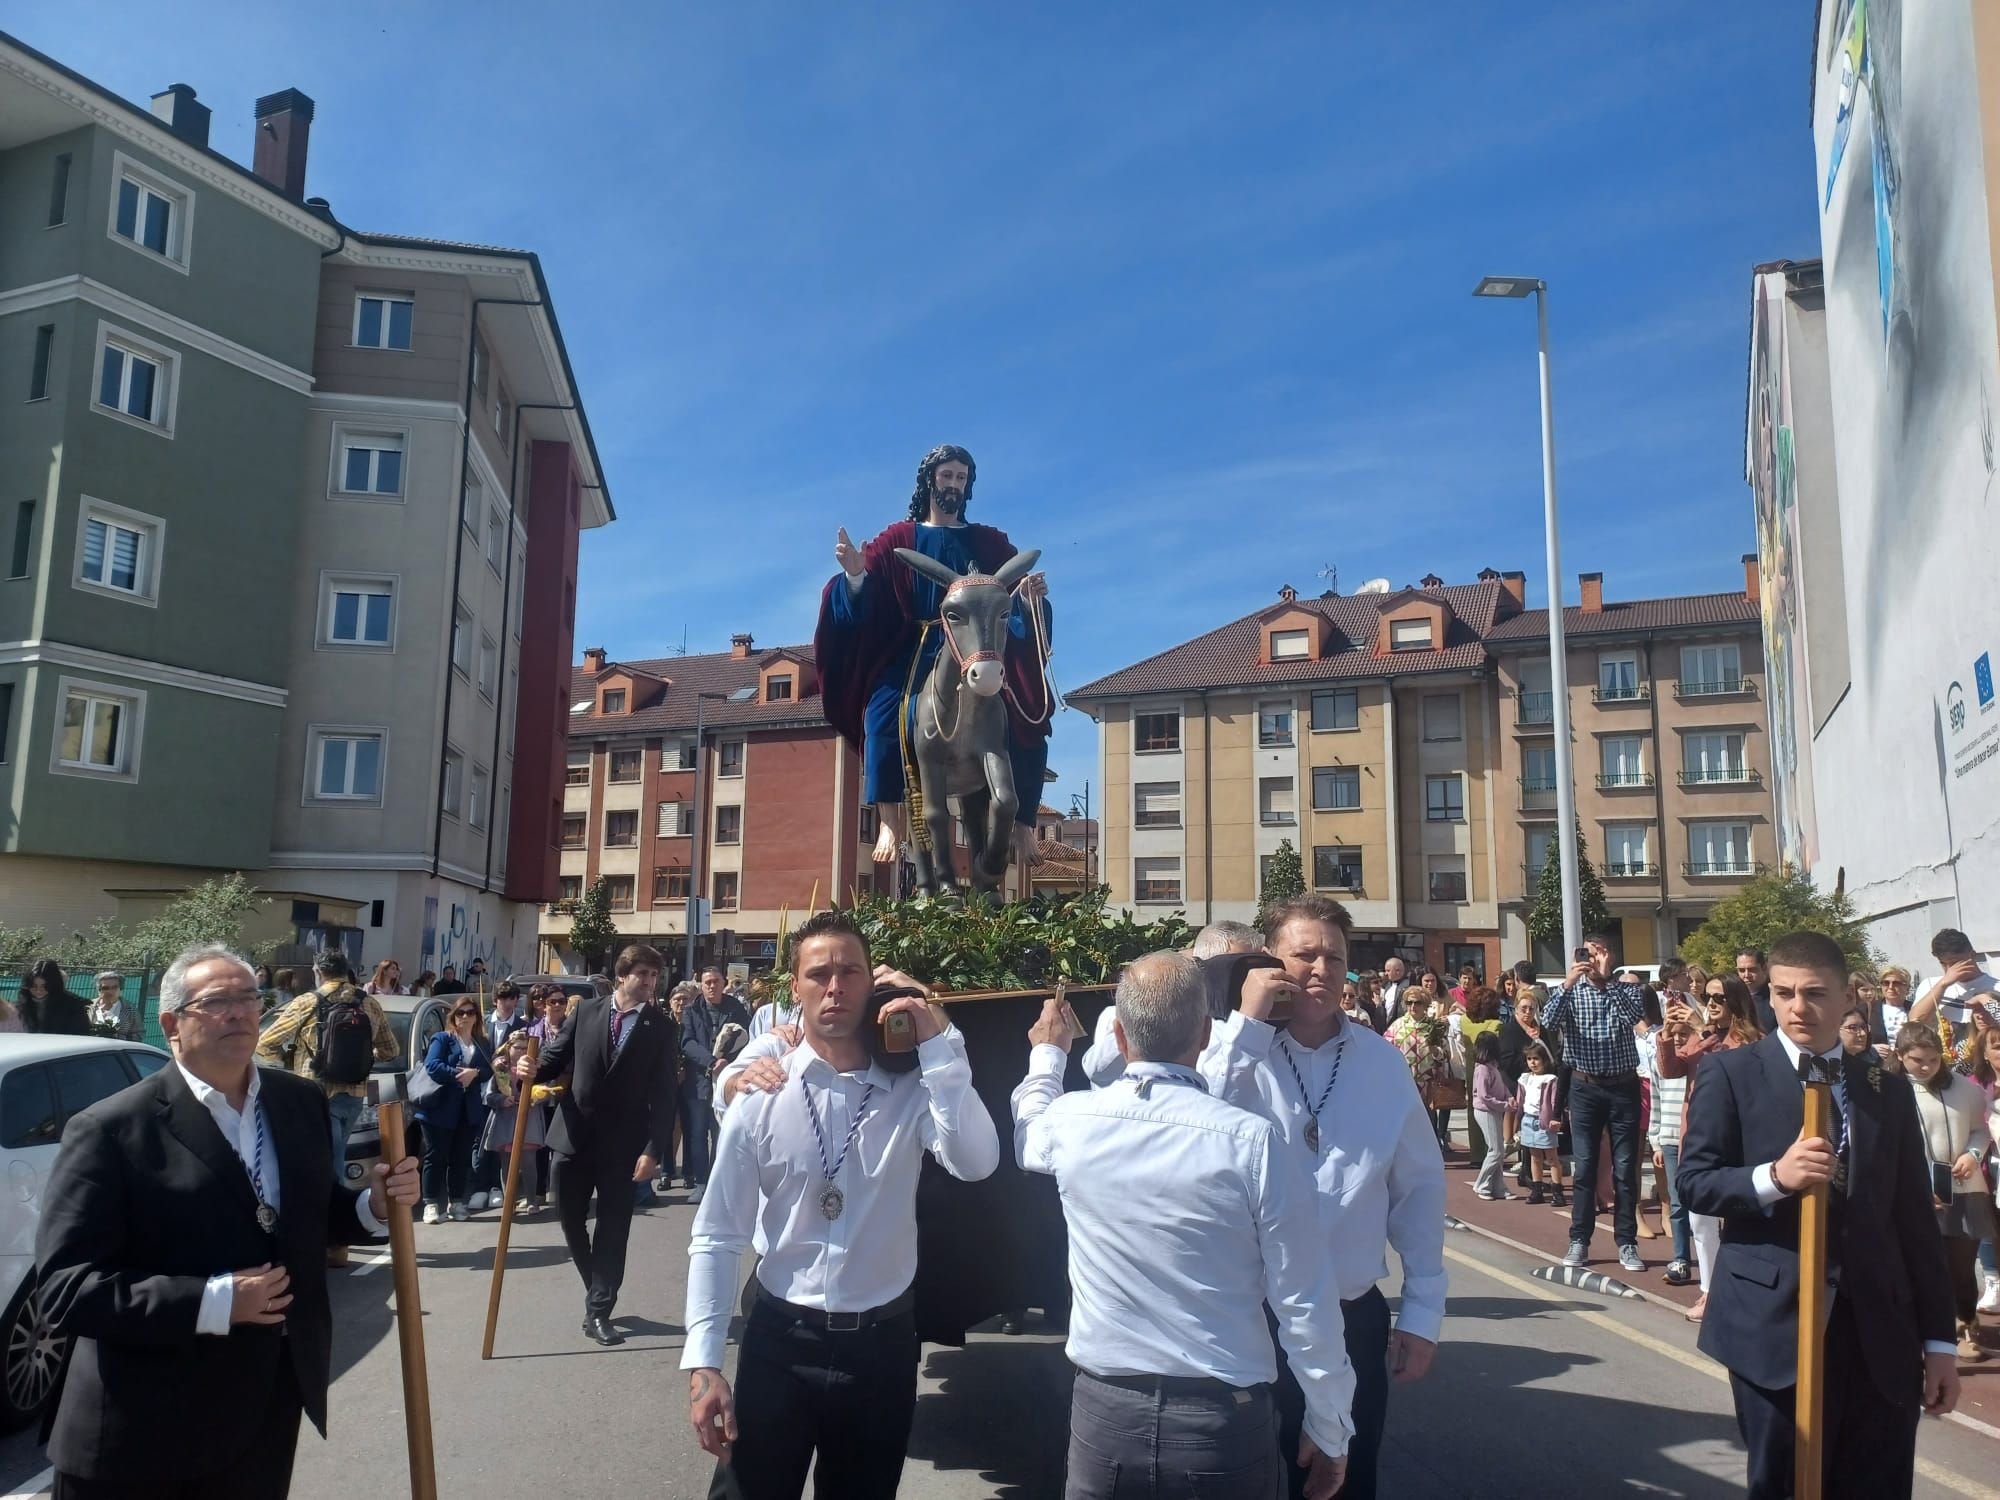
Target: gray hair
{"x":1218,"y":938}
{"x":173,"y":983}
{"x":113,"y":974}
{"x":1162,"y":1006}
{"x":1397,"y":960}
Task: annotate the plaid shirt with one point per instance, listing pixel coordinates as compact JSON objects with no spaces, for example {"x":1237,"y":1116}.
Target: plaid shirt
{"x":1595,"y":1022}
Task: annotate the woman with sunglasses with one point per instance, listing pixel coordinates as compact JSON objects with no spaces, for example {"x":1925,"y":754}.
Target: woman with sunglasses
{"x":1893,"y":985}
{"x":453,"y":1113}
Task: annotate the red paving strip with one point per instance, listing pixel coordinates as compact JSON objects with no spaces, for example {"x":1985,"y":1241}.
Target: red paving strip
{"x":1546,"y":1231}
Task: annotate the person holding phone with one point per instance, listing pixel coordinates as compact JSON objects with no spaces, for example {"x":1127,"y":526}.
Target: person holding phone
{"x":1595,"y":1016}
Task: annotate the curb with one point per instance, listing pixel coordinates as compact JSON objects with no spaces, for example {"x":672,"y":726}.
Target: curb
{"x":1583,"y":1281}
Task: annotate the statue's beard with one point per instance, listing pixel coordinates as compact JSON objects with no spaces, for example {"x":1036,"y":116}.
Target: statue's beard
{"x":948,"y":502}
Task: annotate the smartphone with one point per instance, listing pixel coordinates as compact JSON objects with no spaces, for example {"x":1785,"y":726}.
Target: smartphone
{"x":1581,"y":956}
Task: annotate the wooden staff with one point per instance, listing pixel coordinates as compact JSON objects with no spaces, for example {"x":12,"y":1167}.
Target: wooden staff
{"x":524,"y":1090}
{"x":1810,"y":1442}
{"x":409,"y":1315}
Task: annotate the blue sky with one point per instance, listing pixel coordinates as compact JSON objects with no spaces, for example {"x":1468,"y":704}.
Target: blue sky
{"x":1192,"y":282}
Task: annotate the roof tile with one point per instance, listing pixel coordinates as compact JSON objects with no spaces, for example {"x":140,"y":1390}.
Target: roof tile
{"x":687,"y":676}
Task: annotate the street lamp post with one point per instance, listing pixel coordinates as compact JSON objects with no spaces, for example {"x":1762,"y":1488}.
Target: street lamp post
{"x":1518,"y":287}
{"x":699,"y":833}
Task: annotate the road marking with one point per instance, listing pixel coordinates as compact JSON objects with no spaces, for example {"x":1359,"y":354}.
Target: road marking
{"x":361,"y":1265}
{"x":35,"y":1488}
{"x":1935,"y":1473}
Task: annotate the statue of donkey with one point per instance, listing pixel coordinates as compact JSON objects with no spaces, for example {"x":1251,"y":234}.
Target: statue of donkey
{"x":959,"y":733}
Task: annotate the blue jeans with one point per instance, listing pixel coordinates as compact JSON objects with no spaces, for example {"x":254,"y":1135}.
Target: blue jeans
{"x":342,"y":1111}
{"x":1677,"y":1218}
{"x":1592,"y":1106}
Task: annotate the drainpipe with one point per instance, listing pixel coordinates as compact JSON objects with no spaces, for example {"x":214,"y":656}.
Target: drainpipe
{"x":1659,"y":796}
{"x":1207,"y":813}
{"x":506,"y":599}
{"x":458,"y":572}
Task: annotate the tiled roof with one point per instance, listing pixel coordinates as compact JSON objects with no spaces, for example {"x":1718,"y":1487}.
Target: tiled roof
{"x":1689,"y":611}
{"x":685,"y":677}
{"x":1227,"y":657}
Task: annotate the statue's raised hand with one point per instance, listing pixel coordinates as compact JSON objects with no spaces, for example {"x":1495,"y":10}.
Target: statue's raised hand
{"x":848,"y":555}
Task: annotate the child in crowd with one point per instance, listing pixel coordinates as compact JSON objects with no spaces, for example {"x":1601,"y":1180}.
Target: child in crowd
{"x":502,"y":1101}
{"x":1490,"y":1104}
{"x":1534,"y":1101}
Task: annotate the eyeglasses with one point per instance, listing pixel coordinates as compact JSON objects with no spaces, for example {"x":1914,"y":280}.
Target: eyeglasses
{"x":215,"y":1007}
{"x":460,"y":1015}
{"x":1715,"y":997}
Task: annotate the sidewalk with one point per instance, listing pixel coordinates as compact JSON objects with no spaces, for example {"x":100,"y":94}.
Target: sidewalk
{"x":1545,"y":1230}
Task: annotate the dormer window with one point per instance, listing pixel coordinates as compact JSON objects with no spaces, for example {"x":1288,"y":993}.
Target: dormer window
{"x":778,"y":690}
{"x":1289,"y":645}
{"x":614,"y":701}
{"x":1410,"y":635}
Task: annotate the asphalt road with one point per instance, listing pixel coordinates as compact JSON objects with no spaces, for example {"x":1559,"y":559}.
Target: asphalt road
{"x":1538,"y":1392}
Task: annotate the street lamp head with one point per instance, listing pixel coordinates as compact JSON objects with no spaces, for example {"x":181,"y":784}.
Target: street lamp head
{"x":1508,"y":286}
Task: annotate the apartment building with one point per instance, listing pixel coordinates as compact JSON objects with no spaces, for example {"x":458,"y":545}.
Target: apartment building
{"x":1381,"y":734}
{"x":293,"y":513}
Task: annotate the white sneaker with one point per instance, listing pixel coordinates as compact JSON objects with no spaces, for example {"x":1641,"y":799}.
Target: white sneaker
{"x":431,"y":1214}
{"x":1989,"y":1301}
{"x":476,"y":1203}
{"x":457,"y":1213}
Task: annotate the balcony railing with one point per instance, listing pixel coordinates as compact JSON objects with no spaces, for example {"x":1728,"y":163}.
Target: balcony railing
{"x":1723,"y":776}
{"x":1625,"y":778}
{"x":1695,"y":868}
{"x":563,"y":908}
{"x":1634,"y":692}
{"x":1721,"y":687}
{"x":1278,"y":819}
{"x":1535,"y":710}
{"x":1628,"y":869}
{"x":1538,"y":783}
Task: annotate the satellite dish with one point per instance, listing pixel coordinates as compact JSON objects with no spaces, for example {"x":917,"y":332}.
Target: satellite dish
{"x":1374,"y":586}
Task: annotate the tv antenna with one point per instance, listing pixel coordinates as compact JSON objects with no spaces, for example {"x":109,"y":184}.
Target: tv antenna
{"x":1331,"y":573}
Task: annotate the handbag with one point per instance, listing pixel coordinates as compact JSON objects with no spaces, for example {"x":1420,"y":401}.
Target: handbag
{"x":421,"y":1088}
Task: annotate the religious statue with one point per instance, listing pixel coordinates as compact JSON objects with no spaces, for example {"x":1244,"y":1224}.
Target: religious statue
{"x":878,"y":646}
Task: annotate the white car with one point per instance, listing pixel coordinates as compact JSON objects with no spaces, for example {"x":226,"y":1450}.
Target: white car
{"x":43,"y":1081}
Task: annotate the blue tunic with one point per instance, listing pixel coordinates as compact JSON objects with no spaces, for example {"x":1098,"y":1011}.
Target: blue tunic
{"x":881,"y":751}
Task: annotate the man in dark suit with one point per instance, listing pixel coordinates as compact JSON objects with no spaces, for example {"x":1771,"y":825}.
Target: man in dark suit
{"x":183,"y":1244}
{"x":613,"y":1126}
{"x":1745,"y":1159}
{"x":1753,"y":970}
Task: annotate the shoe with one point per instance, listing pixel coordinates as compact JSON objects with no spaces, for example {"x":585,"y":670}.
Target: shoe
{"x":1989,"y":1300}
{"x":1678,"y":1273}
{"x":540,"y":1200}
{"x":1628,"y":1257}
{"x":600,"y":1329}
{"x":1575,"y":1255}
{"x":457,"y":1213}
{"x":477,"y":1203}
{"x":645,"y":1197}
{"x":432,"y":1215}
{"x":336,"y":1255}
{"x":1969,"y":1350}
{"x":663,"y":1184}
{"x":1010,"y":1323}
{"x":1558,"y":1199}
{"x":524,"y":1206}
{"x":1536,"y":1194}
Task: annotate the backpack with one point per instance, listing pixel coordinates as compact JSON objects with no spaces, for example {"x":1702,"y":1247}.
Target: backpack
{"x":346,"y":1052}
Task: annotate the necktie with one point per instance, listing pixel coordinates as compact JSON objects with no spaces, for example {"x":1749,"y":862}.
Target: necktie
{"x":1829,"y":1071}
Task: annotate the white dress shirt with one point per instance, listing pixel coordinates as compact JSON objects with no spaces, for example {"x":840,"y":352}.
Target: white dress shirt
{"x":239,"y":1129}
{"x":1380,"y":1172}
{"x":1186,"y":1216}
{"x":1764,"y":1178}
{"x":769,"y":1044}
{"x":1103,"y":1063}
{"x":768,"y":1175}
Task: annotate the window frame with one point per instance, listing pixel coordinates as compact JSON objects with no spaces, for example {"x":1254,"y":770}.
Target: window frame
{"x":1334,"y":851}
{"x":62,"y":175}
{"x":725,"y":835}
{"x":1146,"y":749}
{"x":1747,"y":865}
{"x":1353,"y":696}
{"x":1737,"y":766}
{"x":772,"y":685}
{"x":376,"y":585}
{"x":722,"y":759}
{"x":388,"y":299}
{"x":717,"y":900}
{"x":1626,"y":868}
{"x":487,"y":678}
{"x":1531,"y":783}
{"x":152,"y":533}
{"x":621,"y":812}
{"x":1454,"y":780}
{"x":571,"y":765}
{"x":451,"y":785}
{"x":42,"y":362}
{"x":611,"y":758}
{"x":606,"y":707}
{"x":132,"y":729}
{"x":355,"y":435}
{"x":180,"y":201}
{"x":582,"y":821}
{"x":1424,"y":622}
{"x":611,"y":898}
{"x":1143,"y":892}
{"x":1142,"y":817}
{"x":166,"y":381}
{"x":1266,"y":818}
{"x":1336,"y":776}
{"x":1632,"y":773}
{"x":1273,"y":738}
{"x":679,"y":809}
{"x":496,"y":538}
{"x":462,"y":626}
{"x":1432,"y":871}
{"x":1721,"y":685}
{"x":316,"y":737}
{"x":478,"y":797}
{"x":1608,"y":694}
{"x":664,"y":875}
{"x":21,"y":564}
{"x":1457,"y":702}
{"x":1283,"y":642}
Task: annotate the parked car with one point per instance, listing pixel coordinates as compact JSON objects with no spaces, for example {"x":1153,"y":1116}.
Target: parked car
{"x":44,"y":1079}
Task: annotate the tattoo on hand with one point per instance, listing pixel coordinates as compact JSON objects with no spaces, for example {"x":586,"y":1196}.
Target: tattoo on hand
{"x":701,"y":1383}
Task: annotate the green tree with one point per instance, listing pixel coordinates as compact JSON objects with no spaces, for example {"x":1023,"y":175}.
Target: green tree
{"x":1784,"y":900}
{"x":1545,"y":917}
{"x":591,"y":932}
{"x":1285,"y":878}
{"x":212,"y":912}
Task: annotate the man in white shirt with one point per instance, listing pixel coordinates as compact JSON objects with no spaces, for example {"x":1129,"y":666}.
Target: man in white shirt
{"x":1186,"y":1217}
{"x":1341,"y":1097}
{"x":824,"y":1173}
{"x":1102,"y":1061}
{"x":1952,"y":993}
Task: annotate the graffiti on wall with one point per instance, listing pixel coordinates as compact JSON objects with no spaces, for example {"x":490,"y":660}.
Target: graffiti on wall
{"x":461,"y":940}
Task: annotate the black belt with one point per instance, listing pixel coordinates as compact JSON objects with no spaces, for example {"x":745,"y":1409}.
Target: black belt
{"x":837,"y":1322}
{"x":1604,"y":1080}
{"x":1177,"y":1385}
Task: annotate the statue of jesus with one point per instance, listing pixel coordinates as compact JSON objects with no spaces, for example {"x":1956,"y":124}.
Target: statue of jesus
{"x":871,"y":619}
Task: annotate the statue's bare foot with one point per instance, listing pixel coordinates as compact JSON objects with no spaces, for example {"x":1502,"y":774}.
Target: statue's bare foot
{"x":1027,"y":848}
{"x":889,"y":842}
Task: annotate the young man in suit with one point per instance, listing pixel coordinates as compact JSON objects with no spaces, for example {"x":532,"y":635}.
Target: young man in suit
{"x":1745,"y":1159}
{"x":183,"y":1241}
{"x":613,"y":1126}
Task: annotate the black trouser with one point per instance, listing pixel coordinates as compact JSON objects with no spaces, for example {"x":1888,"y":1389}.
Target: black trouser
{"x":1595,"y":1103}
{"x":1961,"y":1260}
{"x":1136,"y":1438}
{"x":837,"y":1403}
{"x":600,"y":1262}
{"x":447,"y":1162}
{"x":699,"y":1128}
{"x":1871,"y":1442}
{"x":1367,"y":1323}
{"x":261,"y":1470}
